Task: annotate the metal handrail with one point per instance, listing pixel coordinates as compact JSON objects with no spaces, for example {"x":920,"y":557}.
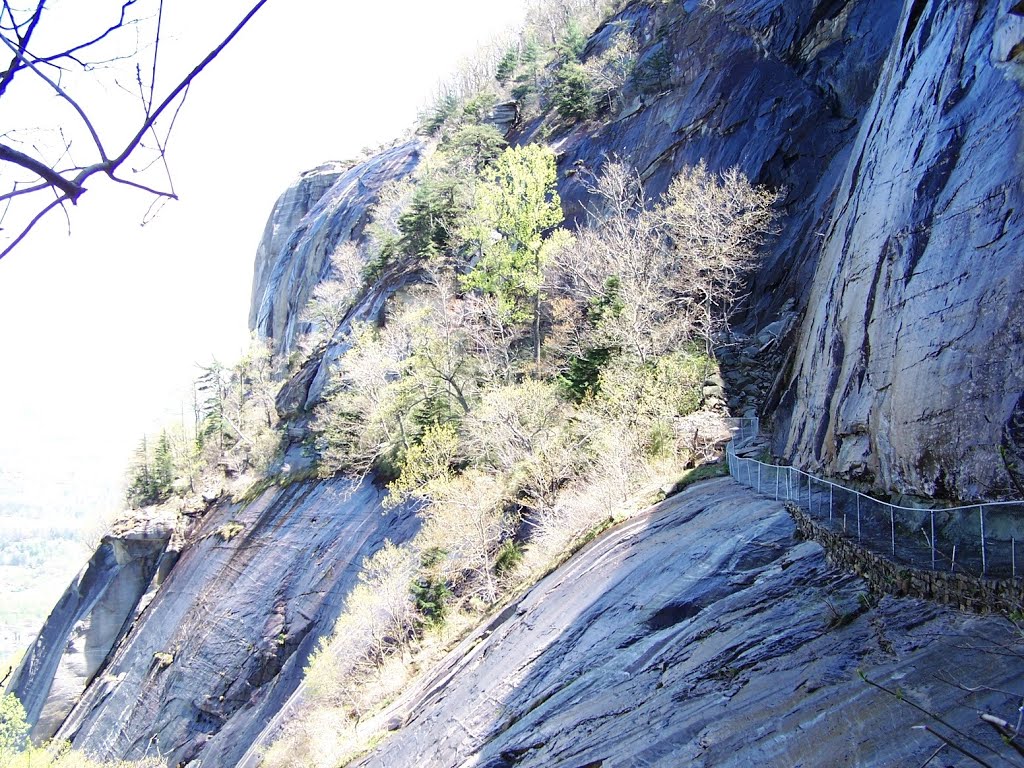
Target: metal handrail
{"x":983,"y":551}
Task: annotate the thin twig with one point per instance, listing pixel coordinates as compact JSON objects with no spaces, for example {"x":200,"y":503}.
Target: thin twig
{"x":62,"y":93}
{"x":143,"y":187}
{"x":23,"y":191}
{"x":184,"y":84}
{"x":953,"y":745}
{"x":932,"y":715}
{"x":35,"y":219}
{"x":156,"y":51}
{"x":933,"y":755}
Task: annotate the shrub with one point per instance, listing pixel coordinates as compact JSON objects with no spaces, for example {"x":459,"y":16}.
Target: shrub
{"x":229,"y":530}
{"x":13,"y":727}
{"x":509,"y":556}
{"x":572,"y":96}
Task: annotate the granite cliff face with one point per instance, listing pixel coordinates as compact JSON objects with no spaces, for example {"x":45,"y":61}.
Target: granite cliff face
{"x":894,"y":130}
{"x":702,"y":632}
{"x":94,"y":614}
{"x":906,"y":370}
{"x":326,"y":207}
{"x":202,"y":664}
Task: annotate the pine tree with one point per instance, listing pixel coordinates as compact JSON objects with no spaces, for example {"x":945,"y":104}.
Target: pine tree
{"x":163,"y":467}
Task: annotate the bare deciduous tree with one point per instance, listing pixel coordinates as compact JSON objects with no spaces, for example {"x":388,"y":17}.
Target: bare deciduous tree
{"x":717,"y":223}
{"x":626,"y":283}
{"x":45,"y":167}
{"x":332,"y":298}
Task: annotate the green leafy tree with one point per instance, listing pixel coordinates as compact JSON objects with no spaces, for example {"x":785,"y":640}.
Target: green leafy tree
{"x":13,"y":726}
{"x":516,"y":205}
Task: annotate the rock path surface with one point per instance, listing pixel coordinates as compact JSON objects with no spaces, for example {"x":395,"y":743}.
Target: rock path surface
{"x":700,"y":633}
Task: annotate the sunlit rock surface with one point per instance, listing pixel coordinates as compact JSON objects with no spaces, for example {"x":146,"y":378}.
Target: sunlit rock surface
{"x":227,"y":635}
{"x":776,"y":87}
{"x":325,"y":208}
{"x":907,"y":367}
{"x":90,"y":618}
{"x":701,"y":633}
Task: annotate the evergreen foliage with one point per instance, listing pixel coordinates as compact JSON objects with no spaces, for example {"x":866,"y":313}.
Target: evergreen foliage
{"x":438,"y":113}
{"x":507,"y":66}
{"x":573,"y":98}
{"x":574,"y":40}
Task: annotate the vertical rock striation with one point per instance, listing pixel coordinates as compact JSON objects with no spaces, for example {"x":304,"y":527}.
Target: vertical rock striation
{"x":776,"y":88}
{"x":906,"y":372}
{"x":323,"y":209}
{"x":196,"y":673}
{"x":87,"y":623}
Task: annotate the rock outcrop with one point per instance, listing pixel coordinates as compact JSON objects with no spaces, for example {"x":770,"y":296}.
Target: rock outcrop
{"x":88,"y":622}
{"x":224,"y":641}
{"x":895,"y":130}
{"x":326,"y":207}
{"x":702,"y":633}
{"x":906,"y":371}
{"x":777,"y":88}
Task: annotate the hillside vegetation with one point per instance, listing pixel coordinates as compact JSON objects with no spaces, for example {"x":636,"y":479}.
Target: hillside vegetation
{"x":530,"y":385}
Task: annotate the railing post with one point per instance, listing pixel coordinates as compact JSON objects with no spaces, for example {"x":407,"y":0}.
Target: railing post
{"x":810,"y":510}
{"x":933,"y":538}
{"x":759,"y":477}
{"x":858,"y":516}
{"x":830,"y":487}
{"x":981,"y":517}
{"x":892,"y":527}
{"x":1013,"y":558}
{"x":776,"y":483}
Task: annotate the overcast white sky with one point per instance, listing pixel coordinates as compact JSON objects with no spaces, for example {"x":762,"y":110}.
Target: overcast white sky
{"x":100,"y":330}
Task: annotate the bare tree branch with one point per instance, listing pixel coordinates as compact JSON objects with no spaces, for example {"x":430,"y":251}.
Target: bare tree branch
{"x":41,"y":169}
{"x":184,"y":84}
{"x":19,"y":55}
{"x":69,"y":184}
{"x":35,"y":220}
{"x":23,"y":41}
{"x":1007,"y":732}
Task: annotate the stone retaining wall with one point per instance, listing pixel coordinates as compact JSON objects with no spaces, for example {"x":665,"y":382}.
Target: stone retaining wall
{"x":968,"y":593}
